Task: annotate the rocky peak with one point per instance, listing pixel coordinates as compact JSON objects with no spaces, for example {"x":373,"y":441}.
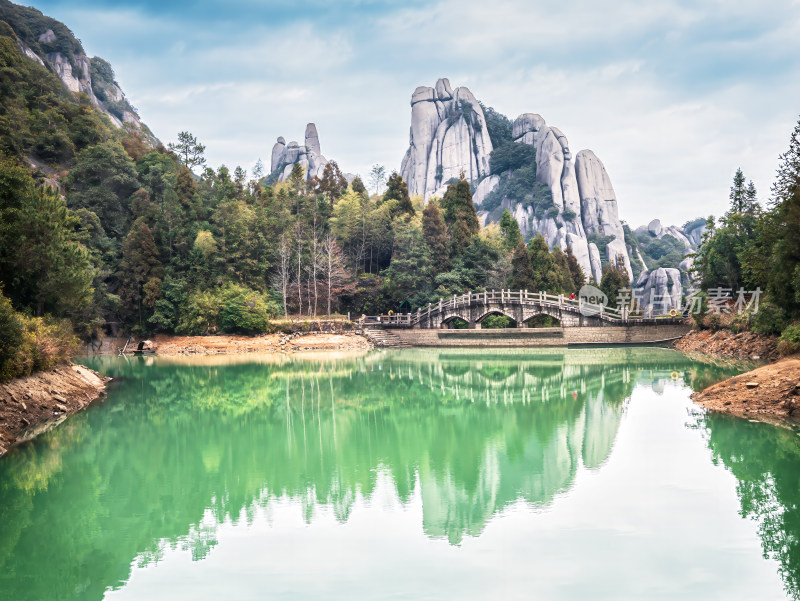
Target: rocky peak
{"x":285,"y":156}
{"x":448,"y":135}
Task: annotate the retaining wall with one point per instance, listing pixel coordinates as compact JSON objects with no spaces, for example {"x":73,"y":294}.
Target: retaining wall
{"x":566,"y":336}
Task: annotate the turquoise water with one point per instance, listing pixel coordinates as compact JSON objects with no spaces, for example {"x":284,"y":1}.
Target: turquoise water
{"x":415,"y":474}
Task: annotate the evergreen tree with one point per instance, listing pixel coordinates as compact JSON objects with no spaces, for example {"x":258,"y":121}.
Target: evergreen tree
{"x":435,"y":231}
{"x":566,"y":283}
{"x":396,"y":189}
{"x":614,"y":279}
{"x":788,"y":170}
{"x":459,"y":215}
{"x":331,"y":183}
{"x":576,"y":273}
{"x":510,"y":229}
{"x":408,"y":276}
{"x":545,"y":273}
{"x":189,"y":150}
{"x":140,"y":270}
{"x":738,"y":193}
{"x":359,"y":187}
{"x":522,"y":276}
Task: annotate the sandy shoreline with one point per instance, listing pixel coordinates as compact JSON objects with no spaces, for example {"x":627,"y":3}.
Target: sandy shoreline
{"x":170,"y":345}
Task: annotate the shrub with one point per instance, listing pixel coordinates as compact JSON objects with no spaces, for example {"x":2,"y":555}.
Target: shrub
{"x":770,"y":319}
{"x":789,"y":342}
{"x":245,"y":311}
{"x":231,"y":309}
{"x":10,"y":338}
{"x":31,"y":344}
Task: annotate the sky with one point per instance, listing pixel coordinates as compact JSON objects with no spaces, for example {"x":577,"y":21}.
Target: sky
{"x":673,"y":96}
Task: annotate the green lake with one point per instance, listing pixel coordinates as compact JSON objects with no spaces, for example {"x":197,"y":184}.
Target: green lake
{"x":413,"y":474}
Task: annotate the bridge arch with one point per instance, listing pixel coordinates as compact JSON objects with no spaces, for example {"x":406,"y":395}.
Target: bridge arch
{"x":455,"y":322}
{"x":498,"y":312}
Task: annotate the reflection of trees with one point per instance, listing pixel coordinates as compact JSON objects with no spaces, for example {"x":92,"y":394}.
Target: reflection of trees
{"x":764,"y":460}
{"x":180,"y":448}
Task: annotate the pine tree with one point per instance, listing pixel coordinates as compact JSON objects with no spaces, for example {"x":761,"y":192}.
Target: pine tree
{"x":738,"y":194}
{"x":510,"y":230}
{"x":522,"y":276}
{"x":460,"y":217}
{"x":789,"y":170}
{"x":435,"y":232}
{"x":396,"y":189}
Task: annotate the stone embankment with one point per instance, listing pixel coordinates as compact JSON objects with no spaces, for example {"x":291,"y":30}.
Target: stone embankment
{"x":36,"y":403}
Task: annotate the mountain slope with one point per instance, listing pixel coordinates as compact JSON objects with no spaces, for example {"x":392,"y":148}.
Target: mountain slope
{"x":50,"y":45}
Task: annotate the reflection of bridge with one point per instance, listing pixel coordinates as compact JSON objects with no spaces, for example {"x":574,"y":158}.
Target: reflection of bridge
{"x":519,"y":305}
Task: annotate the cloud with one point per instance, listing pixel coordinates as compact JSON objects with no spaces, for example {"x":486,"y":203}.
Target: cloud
{"x":672,"y":96}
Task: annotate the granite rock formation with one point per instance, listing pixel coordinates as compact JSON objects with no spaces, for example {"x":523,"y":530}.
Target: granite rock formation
{"x":659,"y":291}
{"x":449,"y":136}
{"x":285,"y":156}
{"x":63,"y":54}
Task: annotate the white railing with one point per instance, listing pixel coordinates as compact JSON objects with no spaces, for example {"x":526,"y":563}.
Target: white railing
{"x":504,"y":296}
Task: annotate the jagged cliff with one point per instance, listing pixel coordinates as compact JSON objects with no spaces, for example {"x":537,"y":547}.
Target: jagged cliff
{"x":51,"y":44}
{"x":571,"y":202}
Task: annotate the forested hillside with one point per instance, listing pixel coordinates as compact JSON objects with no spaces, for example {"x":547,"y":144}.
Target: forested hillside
{"x":105,"y":231}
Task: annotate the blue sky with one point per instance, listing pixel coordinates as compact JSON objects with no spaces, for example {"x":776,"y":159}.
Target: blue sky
{"x":673,"y":96}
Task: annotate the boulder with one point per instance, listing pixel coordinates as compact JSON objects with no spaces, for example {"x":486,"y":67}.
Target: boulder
{"x":527,"y":123}
{"x":484,"y":188}
{"x":655,"y":228}
{"x":659,"y":291}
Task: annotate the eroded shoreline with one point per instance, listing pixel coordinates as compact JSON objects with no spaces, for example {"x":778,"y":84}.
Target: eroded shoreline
{"x":36,"y":403}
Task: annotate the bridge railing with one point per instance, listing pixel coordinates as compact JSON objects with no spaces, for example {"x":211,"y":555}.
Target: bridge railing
{"x":505,"y":296}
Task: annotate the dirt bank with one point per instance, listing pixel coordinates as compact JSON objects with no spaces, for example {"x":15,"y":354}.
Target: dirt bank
{"x":212,"y":345}
{"x":770,"y":392}
{"x":31,"y":405}
{"x":744,"y":345}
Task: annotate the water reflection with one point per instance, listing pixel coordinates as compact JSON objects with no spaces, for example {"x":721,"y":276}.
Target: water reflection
{"x":766,"y":463}
{"x":183,"y":446}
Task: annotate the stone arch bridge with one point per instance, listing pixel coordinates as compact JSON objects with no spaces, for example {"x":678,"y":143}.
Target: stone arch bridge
{"x":519,"y":305}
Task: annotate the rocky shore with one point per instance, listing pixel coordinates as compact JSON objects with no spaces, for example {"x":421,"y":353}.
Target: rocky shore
{"x":724,"y":343}
{"x":770,"y":392}
{"x":36,"y":403}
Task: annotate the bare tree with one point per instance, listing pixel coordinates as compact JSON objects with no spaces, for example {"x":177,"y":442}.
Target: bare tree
{"x":299,"y":236}
{"x":284,"y":270}
{"x":334,"y":268}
